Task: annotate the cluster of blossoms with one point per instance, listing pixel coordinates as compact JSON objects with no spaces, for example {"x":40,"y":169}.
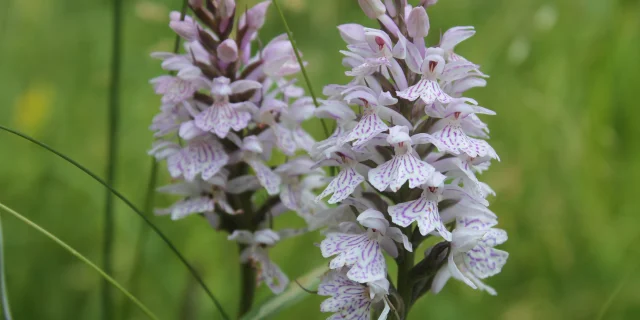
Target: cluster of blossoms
{"x":409,"y":147}
{"x":224,"y":109}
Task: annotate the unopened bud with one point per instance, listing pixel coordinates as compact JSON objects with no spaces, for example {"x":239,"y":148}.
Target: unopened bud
{"x":418,"y":23}
{"x":255,"y":16}
{"x":372,"y":8}
{"x":428,"y":3}
{"x":226,"y":8}
{"x":228,"y":51}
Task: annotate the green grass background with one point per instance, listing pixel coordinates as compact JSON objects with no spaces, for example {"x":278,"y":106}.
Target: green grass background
{"x":565,"y":79}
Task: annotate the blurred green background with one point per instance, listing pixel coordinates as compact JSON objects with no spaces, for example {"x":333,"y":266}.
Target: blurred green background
{"x":564,"y":76}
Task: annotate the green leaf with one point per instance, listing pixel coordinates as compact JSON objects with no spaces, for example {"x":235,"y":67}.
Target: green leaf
{"x":289,"y":297}
{"x":82,"y":258}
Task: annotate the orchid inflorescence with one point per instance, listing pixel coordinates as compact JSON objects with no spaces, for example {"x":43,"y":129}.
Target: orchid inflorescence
{"x":407,"y":145}
{"x":222,"y":114}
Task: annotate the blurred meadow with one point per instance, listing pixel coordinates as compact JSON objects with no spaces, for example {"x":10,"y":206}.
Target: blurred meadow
{"x":564,"y":76}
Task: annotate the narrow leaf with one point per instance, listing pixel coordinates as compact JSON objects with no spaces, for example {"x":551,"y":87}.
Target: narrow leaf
{"x":4,"y":296}
{"x":153,"y":227}
{"x":82,"y":258}
{"x":289,"y":297}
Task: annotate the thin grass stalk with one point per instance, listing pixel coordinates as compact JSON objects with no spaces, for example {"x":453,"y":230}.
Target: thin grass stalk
{"x":82,"y":258}
{"x":304,"y":71}
{"x":112,"y":156}
{"x":4,"y":296}
{"x":148,"y":204}
{"x":155,"y":229}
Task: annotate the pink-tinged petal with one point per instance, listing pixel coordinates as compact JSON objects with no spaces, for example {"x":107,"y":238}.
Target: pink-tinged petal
{"x":202,"y":156}
{"x":191,"y":206}
{"x":303,"y":139}
{"x":424,"y":212}
{"x":484,"y":262}
{"x":241,"y":86}
{"x":221,"y":117}
{"x":453,"y":139}
{"x":428,"y":90}
{"x":342,"y":185}
{"x":352,"y":33}
{"x":410,"y":168}
{"x":368,"y":67}
{"x":454,"y":36}
{"x":368,"y":127}
{"x":382,"y":176}
{"x":173,"y":89}
{"x":440,"y":280}
{"x":348,"y":298}
{"x":188,"y":130}
{"x":370,"y":264}
{"x":291,"y":195}
{"x":336,"y":243}
{"x":273,"y":277}
{"x":284,"y":139}
{"x":268,"y":179}
{"x":494,"y":237}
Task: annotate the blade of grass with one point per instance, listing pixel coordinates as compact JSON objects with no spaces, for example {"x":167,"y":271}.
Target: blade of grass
{"x":6,"y":308}
{"x":155,"y":229}
{"x":82,"y":258}
{"x":304,"y":71}
{"x":148,"y":203}
{"x":112,"y":155}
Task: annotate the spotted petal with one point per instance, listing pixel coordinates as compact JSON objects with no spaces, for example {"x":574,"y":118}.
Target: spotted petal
{"x":342,"y":185}
{"x":485,"y":261}
{"x":368,"y":127}
{"x":453,"y":139}
{"x":191,"y":206}
{"x":268,"y":179}
{"x":428,"y":90}
{"x":200,"y":156}
{"x":173,"y":89}
{"x":412,"y":169}
{"x":221,"y":117}
{"x":424,"y":212}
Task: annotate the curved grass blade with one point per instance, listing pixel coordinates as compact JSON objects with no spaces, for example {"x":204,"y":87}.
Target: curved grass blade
{"x":112,"y":155}
{"x":291,"y":296}
{"x":82,"y":258}
{"x":304,"y":71}
{"x":148,"y":202}
{"x":6,"y":307}
{"x":155,"y":229}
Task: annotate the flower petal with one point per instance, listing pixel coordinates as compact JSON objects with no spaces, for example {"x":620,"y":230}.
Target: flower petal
{"x":342,"y":185}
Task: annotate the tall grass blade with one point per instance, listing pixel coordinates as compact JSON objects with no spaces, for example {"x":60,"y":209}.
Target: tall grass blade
{"x":155,"y":229}
{"x":148,"y":203}
{"x":82,"y":258}
{"x":304,"y":71}
{"x":4,"y":296}
{"x":112,"y":156}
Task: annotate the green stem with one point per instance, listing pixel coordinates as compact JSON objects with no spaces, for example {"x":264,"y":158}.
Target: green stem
{"x":82,"y":258}
{"x":153,"y":227}
{"x":247,"y":292}
{"x":112,"y":155}
{"x":405,"y":284}
{"x":304,"y":71}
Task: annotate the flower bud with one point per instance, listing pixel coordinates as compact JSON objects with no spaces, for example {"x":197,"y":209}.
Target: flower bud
{"x":254,"y":18}
{"x":228,"y":51}
{"x":226,"y":8}
{"x":418,"y":23}
{"x":428,"y":3}
{"x":195,"y":4}
{"x":372,"y":8}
